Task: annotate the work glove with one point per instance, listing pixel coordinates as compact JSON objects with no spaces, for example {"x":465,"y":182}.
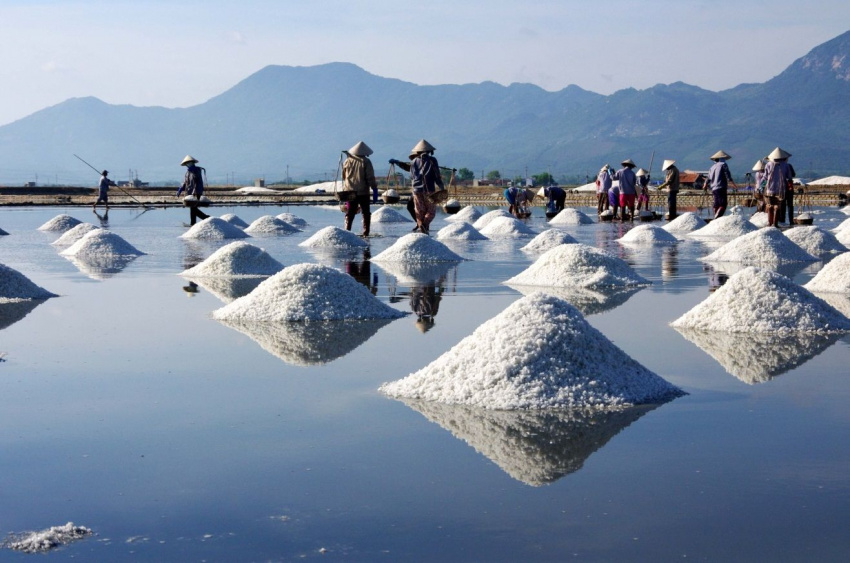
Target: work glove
{"x":374,"y":195}
{"x":394,"y":161}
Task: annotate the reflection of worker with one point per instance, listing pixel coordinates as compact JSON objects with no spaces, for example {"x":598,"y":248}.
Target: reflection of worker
{"x":425,"y":302}
{"x":361,"y":270}
{"x":193,"y":185}
{"x":103,"y":190}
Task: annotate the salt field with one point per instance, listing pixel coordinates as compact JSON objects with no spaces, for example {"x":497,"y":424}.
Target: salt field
{"x":136,"y":426}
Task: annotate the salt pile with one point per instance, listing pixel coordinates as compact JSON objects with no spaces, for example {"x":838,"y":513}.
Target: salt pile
{"x":506,"y":227}
{"x":843,"y":226}
{"x":547,"y":240}
{"x":214,"y":228}
{"x":60,"y":223}
{"x":386,"y":214}
{"x":268,"y":225}
{"x":815,"y":240}
{"x":846,"y":210}
{"x":648,"y":234}
{"x":485,"y":219}
{"x":728,"y":226}
{"x":559,"y":361}
{"x":74,"y":234}
{"x":578,"y":265}
{"x":570,"y":216}
{"x":764,"y":246}
{"x":417,"y":247}
{"x":293,"y":220}
{"x":468,"y":214}
{"x":760,"y":219}
{"x":234,"y":220}
{"x":45,"y":540}
{"x":3,"y":233}
{"x":755,"y":300}
{"x":844,"y":237}
{"x":685,"y":223}
{"x":237,"y":259}
{"x":459,"y":231}
{"x":307,"y":292}
{"x":101,"y":242}
{"x":833,"y":278}
{"x":334,"y":237}
{"x":14,"y":286}
{"x":738,"y":210}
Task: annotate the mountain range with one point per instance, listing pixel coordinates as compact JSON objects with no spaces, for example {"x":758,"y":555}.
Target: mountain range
{"x":297,"y":120}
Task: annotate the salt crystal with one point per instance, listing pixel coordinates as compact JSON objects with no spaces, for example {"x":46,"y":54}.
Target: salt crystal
{"x":101,"y":242}
{"x":843,"y":237}
{"x":334,"y":237}
{"x":506,"y":227}
{"x":459,"y":231}
{"x":214,"y":228}
{"x":386,"y":214}
{"x":815,"y":240}
{"x":760,"y":219}
{"x":293,"y":220}
{"x":268,"y":225}
{"x":684,"y":223}
{"x":570,"y":216}
{"x":549,"y":239}
{"x":468,"y":214}
{"x":234,"y":220}
{"x":578,"y":265}
{"x":764,"y":246}
{"x":60,"y":223}
{"x":14,"y":287}
{"x":417,"y":247}
{"x":843,"y":226}
{"x":728,"y":226}
{"x":833,"y":278}
{"x":485,"y":219}
{"x":74,"y":234}
{"x":648,"y":234}
{"x":237,"y":259}
{"x":45,"y":540}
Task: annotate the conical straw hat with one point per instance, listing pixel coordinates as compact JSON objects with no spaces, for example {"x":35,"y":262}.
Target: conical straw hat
{"x":720,"y":154}
{"x":641,"y":172}
{"x":628,"y":162}
{"x":667,"y":164}
{"x":422,"y":146}
{"x":604,"y":168}
{"x":758,"y":166}
{"x":778,"y":154}
{"x":188,"y":160}
{"x":360,"y":149}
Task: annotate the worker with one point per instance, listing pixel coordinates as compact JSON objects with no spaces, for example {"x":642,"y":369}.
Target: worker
{"x":103,"y":190}
{"x":628,"y":188}
{"x":425,"y":176}
{"x":603,"y":185}
{"x":718,"y":180}
{"x":358,"y":176}
{"x":671,"y":183}
{"x":193,"y":185}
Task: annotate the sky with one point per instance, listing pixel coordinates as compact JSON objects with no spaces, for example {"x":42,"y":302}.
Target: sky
{"x":180,"y":53}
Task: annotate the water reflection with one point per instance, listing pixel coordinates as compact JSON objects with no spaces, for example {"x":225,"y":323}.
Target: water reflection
{"x":840,"y":301}
{"x":361,"y":270}
{"x":425,"y":302}
{"x":789,"y":270}
{"x":101,"y":267}
{"x":103,"y":219}
{"x":308,"y":344}
{"x":588,"y":301}
{"x":10,"y":313}
{"x":759,"y":357}
{"x":412,"y":273}
{"x":226,"y":289}
{"x":669,"y":262}
{"x":534,"y":447}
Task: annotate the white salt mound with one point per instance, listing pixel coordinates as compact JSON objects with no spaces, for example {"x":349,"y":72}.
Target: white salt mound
{"x":685,"y":223}
{"x":485,"y":219}
{"x":334,"y":237}
{"x":764,"y":246}
{"x":468,"y":214}
{"x":214,"y":228}
{"x":815,"y":240}
{"x":846,"y":209}
{"x":578,"y":265}
{"x":268,"y":225}
{"x":14,"y":286}
{"x":237,"y":259}
{"x":844,"y":237}
{"x":648,"y":234}
{"x":506,"y":227}
{"x":293,"y":220}
{"x":45,"y":540}
{"x":417,"y":247}
{"x":759,"y":219}
{"x":549,"y":239}
{"x":234,"y":220}
{"x":74,"y":234}
{"x":307,"y":292}
{"x":386,"y":214}
{"x":570,"y":216}
{"x":738,"y":210}
{"x":459,"y":231}
{"x":728,"y":226}
{"x":843,"y":226}
{"x":101,"y":242}
{"x":755,"y":300}
{"x":539,"y":353}
{"x":833,"y":278}
{"x":60,"y":223}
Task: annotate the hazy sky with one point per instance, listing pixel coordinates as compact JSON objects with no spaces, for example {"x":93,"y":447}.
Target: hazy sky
{"x":179,"y":53}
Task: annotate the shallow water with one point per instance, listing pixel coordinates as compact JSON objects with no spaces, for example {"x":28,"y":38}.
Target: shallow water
{"x":125,"y":408}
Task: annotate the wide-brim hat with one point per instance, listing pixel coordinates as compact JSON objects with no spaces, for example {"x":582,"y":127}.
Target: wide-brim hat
{"x":104,"y":173}
{"x":360,"y":149}
{"x":758,"y":166}
{"x":641,"y":172}
{"x":720,"y":154}
{"x":421,"y":146}
{"x":189,"y":159}
{"x":605,"y":168}
{"x":542,"y":192}
{"x":667,"y":164}
{"x":778,"y":154}
{"x":628,"y":162}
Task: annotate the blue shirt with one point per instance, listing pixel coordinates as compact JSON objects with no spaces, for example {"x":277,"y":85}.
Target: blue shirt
{"x":719,"y":176}
{"x":425,"y":174}
{"x":627,"y":179}
{"x":510,"y":195}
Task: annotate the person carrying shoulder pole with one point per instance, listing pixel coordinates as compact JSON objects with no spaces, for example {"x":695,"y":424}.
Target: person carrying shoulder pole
{"x":358,"y":176}
{"x":719,"y":178}
{"x":103,"y":190}
{"x":193,"y":184}
{"x":425,"y":176}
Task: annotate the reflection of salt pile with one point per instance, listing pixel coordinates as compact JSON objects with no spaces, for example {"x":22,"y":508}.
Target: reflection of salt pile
{"x":100,"y":267}
{"x":459,"y":231}
{"x":534,"y":447}
{"x":685,"y":223}
{"x":833,"y":278}
{"x":485,"y":219}
{"x":760,"y":219}
{"x":570,"y":216}
{"x":234,"y":220}
{"x":14,"y":311}
{"x":728,"y":226}
{"x":578,"y":265}
{"x":767,"y":246}
{"x":74,"y":234}
{"x":648,"y":234}
{"x":547,"y":240}
{"x":413,"y":273}
{"x":45,"y":540}
{"x":293,"y":220}
{"x":417,"y":247}
{"x":235,"y":260}
{"x":506,"y":227}
{"x":815,"y":240}
{"x":14,"y":286}
{"x":228,"y":289}
{"x":386,"y":214}
{"x":214,"y":228}
{"x":539,"y":353}
{"x":755,"y":300}
{"x":759,"y":357}
{"x":268,"y":225}
{"x":307,"y":292}
{"x":60,"y":224}
{"x":334,"y":237}
{"x":466,"y":215}
{"x":310,"y":343}
{"x":101,"y":242}
{"x":3,"y":233}
{"x":587,"y":301}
